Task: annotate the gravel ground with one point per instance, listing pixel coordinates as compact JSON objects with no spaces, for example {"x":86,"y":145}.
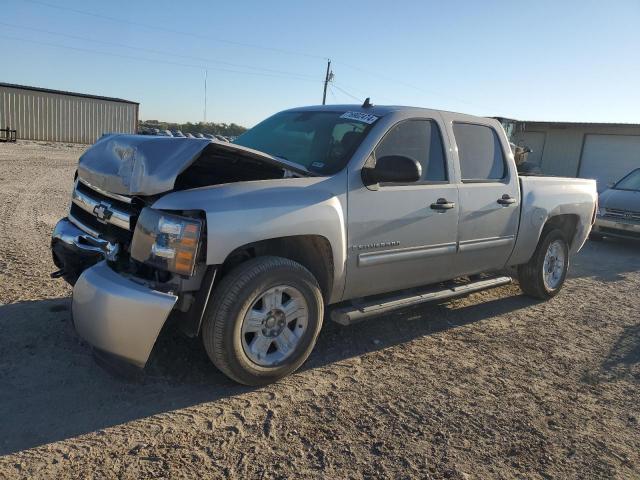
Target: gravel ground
{"x":495,"y":385}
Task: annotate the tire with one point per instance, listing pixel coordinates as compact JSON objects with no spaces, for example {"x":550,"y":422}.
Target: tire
{"x":532,"y":274}
{"x":596,"y":237}
{"x":242,"y":300}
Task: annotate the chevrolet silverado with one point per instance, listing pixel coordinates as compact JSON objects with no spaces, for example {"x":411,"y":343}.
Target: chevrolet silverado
{"x":356,"y":210}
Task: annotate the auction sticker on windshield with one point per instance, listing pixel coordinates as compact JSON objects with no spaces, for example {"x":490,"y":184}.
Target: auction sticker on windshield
{"x":361,"y":117}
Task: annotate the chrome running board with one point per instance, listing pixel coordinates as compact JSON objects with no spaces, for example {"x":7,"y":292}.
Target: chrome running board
{"x":362,"y":309}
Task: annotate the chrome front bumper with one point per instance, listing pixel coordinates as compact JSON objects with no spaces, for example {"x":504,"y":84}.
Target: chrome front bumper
{"x":68,"y":233}
{"x":617,"y":228}
{"x":74,"y":250}
{"x":117,"y":315}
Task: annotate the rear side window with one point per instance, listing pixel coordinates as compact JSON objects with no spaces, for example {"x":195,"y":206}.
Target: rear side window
{"x":480,"y":152}
{"x":420,"y":140}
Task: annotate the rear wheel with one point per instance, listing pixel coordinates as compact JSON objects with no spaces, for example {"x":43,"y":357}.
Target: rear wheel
{"x":544,"y":275}
{"x":263,"y":320}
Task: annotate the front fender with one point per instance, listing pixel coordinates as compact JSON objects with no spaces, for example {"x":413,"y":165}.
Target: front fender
{"x":247,"y":212}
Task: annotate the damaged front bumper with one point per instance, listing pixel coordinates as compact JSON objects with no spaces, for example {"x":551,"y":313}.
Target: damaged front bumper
{"x":118,"y":315}
{"x":115,"y":314}
{"x":74,"y":250}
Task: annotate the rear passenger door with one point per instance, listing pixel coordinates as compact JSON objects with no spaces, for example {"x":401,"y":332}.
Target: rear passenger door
{"x":489,"y":198}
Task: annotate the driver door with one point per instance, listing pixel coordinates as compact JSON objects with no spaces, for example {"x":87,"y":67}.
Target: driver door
{"x":398,"y":236}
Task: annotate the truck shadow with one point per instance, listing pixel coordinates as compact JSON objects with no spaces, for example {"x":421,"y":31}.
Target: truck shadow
{"x":622,"y":362}
{"x":52,"y":389}
{"x":623,"y":359}
{"x":617,"y":257}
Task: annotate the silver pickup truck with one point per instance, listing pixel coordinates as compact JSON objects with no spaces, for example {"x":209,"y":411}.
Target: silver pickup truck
{"x":356,"y":210}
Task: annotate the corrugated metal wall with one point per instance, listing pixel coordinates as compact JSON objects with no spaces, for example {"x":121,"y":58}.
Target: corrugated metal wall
{"x":63,"y":118}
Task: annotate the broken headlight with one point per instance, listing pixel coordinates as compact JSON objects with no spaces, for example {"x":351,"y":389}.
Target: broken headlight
{"x":166,"y":241}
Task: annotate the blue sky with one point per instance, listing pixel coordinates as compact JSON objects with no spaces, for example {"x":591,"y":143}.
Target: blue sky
{"x":543,"y":60}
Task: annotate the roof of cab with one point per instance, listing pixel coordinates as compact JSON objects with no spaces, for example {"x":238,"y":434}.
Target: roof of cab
{"x":378,"y":110}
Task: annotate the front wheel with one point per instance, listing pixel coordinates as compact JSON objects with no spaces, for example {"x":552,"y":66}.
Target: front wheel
{"x":263,"y":320}
{"x":544,"y":274}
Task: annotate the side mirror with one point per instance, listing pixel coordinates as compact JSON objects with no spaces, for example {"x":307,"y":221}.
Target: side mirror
{"x":392,"y":169}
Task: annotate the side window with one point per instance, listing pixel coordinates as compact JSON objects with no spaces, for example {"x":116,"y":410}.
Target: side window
{"x":480,"y":152}
{"x":420,"y":140}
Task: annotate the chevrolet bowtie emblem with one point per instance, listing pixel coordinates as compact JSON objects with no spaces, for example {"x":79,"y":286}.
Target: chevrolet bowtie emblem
{"x":102,"y":212}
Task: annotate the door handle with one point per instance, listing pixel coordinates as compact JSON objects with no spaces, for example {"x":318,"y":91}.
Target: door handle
{"x":442,"y":204}
{"x":506,"y":200}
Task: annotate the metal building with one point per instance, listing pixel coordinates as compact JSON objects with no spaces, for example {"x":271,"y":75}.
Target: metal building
{"x":602,"y":151}
{"x":57,"y":116}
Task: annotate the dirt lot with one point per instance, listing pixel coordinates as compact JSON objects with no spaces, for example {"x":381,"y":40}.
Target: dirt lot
{"x":495,"y":385}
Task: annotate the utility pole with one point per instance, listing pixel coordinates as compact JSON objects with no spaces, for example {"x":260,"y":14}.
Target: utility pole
{"x":328,"y":77}
{"x":205,"y":95}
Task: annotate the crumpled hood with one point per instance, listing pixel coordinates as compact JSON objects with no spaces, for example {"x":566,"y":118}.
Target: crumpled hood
{"x":620,"y":199}
{"x":148,"y":165}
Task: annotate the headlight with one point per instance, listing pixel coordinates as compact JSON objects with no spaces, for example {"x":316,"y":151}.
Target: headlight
{"x":166,"y":241}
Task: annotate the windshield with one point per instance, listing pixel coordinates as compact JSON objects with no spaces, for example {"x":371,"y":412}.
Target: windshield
{"x":322,"y":142}
{"x":630,"y":182}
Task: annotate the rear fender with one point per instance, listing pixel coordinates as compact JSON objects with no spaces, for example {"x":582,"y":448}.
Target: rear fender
{"x":544,"y":198}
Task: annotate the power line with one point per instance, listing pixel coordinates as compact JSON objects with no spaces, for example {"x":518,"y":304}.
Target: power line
{"x":177,"y":32}
{"x":80,"y":49}
{"x":247,"y":45}
{"x":333,"y":94}
{"x":402,"y":82}
{"x":347,"y":93}
{"x":360,"y":94}
{"x":144,"y":59}
{"x":157,"y":52}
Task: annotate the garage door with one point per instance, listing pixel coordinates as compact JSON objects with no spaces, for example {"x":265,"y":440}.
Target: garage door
{"x":608,"y":158}
{"x":535,"y":141}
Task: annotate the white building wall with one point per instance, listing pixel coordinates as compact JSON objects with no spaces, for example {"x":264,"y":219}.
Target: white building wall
{"x":564,"y":143}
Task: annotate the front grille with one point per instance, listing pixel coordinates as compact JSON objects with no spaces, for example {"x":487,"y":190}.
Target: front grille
{"x":619,"y":214}
{"x":120,"y":201}
{"x":101,"y":213}
{"x":90,"y":224}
